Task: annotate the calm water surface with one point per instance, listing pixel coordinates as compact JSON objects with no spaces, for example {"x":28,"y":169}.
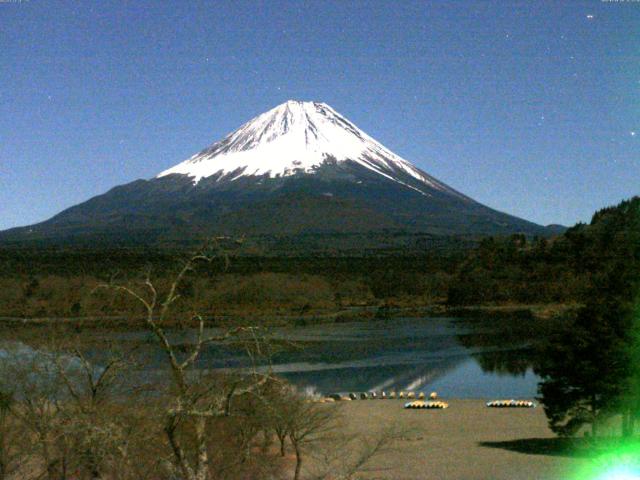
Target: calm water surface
{"x":463,"y":359}
{"x":447,"y":355}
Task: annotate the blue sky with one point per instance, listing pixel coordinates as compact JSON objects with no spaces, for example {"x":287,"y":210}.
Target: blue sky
{"x":529,"y":107}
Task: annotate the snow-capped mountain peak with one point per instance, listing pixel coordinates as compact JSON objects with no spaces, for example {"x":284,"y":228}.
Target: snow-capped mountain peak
{"x":298,"y":137}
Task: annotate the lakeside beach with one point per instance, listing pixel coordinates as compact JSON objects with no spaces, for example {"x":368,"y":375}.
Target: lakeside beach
{"x":466,"y":441}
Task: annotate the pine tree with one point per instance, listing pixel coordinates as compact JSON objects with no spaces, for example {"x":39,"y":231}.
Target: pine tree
{"x":591,"y":369}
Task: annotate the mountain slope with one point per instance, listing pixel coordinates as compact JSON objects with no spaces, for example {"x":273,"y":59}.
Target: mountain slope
{"x":298,"y":169}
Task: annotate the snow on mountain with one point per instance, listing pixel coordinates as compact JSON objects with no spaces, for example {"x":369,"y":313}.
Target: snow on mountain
{"x":298,"y":137}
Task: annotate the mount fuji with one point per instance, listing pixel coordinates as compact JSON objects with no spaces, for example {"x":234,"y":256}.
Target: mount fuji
{"x":300,"y":168}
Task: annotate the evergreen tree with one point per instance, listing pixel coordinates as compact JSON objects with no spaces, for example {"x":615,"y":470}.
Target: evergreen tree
{"x":582,"y":372}
{"x":591,"y":369}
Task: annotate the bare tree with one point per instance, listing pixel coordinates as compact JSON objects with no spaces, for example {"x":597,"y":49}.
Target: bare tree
{"x":12,"y":447}
{"x":94,"y":422}
{"x":194,"y":400}
{"x":38,"y":409}
{"x":345,"y":456}
{"x":306,"y":424}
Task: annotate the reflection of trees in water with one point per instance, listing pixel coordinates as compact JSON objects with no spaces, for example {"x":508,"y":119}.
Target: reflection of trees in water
{"x":506,"y":362}
{"x":506,"y":348}
{"x":511,"y":333}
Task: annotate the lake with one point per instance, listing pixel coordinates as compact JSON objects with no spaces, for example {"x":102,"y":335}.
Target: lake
{"x":449,"y":356}
{"x":457,"y":358}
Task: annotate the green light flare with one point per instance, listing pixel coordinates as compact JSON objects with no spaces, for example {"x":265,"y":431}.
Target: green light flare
{"x":621,"y":463}
{"x":618,"y":457}
{"x":620,"y":474}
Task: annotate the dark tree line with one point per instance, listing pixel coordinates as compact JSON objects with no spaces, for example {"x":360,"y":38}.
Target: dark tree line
{"x":516,"y":269}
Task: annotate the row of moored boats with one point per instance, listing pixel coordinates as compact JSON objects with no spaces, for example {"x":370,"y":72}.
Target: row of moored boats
{"x":420,"y":400}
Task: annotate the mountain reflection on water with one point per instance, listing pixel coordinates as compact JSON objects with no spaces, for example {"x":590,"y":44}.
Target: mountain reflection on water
{"x":458,"y":358}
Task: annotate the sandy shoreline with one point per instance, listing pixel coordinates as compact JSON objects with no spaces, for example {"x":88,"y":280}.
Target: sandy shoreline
{"x":467,"y":441}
